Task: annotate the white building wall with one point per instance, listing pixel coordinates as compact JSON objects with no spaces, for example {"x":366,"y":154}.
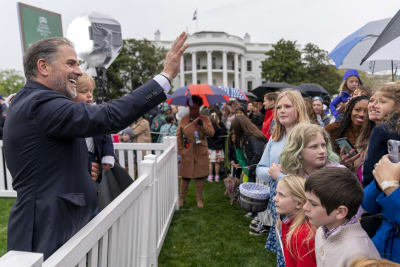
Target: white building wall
{"x":219,"y":43}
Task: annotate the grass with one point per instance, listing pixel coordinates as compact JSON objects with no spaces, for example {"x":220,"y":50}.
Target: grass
{"x":5,"y":206}
{"x":217,"y":235}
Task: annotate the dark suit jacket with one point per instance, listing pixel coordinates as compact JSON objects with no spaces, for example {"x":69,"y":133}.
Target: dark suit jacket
{"x":48,"y":159}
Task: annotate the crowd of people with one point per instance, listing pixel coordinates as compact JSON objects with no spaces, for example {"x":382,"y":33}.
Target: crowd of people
{"x":325,"y":198}
{"x":327,"y":201}
{"x":334,"y":192}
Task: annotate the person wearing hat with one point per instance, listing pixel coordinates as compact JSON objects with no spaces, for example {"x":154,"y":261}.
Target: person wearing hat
{"x":351,"y":81}
{"x":159,"y":121}
{"x":126,"y":135}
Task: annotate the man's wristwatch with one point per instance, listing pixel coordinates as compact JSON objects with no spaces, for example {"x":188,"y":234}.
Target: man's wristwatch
{"x":386,"y":184}
{"x":167,"y":76}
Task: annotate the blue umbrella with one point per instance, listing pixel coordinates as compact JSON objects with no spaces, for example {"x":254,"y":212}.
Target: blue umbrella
{"x":235,"y":93}
{"x":351,"y":50}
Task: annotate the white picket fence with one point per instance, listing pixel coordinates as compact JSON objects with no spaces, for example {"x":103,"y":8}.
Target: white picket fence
{"x":131,"y":230}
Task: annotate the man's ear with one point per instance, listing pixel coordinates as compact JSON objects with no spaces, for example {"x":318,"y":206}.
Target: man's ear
{"x":341,"y":212}
{"x":43,"y":67}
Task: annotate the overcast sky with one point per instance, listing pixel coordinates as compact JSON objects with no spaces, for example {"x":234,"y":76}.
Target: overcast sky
{"x":322,"y":22}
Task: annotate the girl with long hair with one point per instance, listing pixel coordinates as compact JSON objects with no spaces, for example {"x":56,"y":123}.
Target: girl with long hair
{"x":308,"y":148}
{"x":289,"y":110}
{"x":351,"y":81}
{"x":354,"y":118}
{"x":387,"y":111}
{"x":250,"y":140}
{"x":297,"y":233}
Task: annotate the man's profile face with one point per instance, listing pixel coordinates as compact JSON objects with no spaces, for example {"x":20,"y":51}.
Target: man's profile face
{"x":64,"y":71}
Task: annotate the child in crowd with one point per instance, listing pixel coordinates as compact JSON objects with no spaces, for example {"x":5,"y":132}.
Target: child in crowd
{"x":100,"y":148}
{"x":297,"y":233}
{"x":216,"y":145}
{"x":289,"y":111}
{"x":387,"y":105}
{"x":126,"y":135}
{"x":269,"y":105}
{"x":333,"y":198}
{"x":351,"y":81}
{"x":168,"y":129}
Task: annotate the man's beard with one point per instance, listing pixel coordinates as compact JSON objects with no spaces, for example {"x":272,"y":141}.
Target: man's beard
{"x":61,"y":85}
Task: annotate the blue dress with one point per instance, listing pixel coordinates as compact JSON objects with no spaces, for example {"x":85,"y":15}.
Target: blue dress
{"x":271,"y":155}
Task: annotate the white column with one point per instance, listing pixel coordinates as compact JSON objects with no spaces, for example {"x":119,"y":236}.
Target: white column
{"x":194,"y":70}
{"x":236,"y":70}
{"x":182,"y":71}
{"x":224,"y":69}
{"x":209,"y":67}
{"x":243,"y":71}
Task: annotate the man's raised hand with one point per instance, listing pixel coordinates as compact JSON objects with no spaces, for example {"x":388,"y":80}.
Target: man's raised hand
{"x":173,"y":58}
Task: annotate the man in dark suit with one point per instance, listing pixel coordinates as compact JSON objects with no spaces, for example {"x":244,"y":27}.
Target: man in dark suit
{"x":44,"y":143}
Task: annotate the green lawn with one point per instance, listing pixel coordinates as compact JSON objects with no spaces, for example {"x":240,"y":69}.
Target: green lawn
{"x":216,"y":235}
{"x":5,"y":206}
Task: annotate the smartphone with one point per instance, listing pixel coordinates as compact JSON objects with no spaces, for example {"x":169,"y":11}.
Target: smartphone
{"x":345,"y":143}
{"x":393,"y":147}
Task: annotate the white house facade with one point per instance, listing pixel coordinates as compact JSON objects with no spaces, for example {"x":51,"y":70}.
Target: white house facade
{"x":219,"y":59}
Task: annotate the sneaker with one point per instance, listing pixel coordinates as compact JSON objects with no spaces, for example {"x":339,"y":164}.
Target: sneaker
{"x":210,"y":178}
{"x":217,"y":178}
{"x":253,"y":226}
{"x":255,"y":221}
{"x":263,"y":231}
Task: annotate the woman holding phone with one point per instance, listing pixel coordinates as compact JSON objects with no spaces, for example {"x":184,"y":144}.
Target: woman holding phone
{"x":355,"y":116}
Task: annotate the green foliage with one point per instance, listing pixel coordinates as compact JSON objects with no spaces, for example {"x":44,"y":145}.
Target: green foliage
{"x":286,"y":63}
{"x":11,"y":81}
{"x":283,"y":63}
{"x":217,"y":235}
{"x":317,"y":68}
{"x":138,"y":62}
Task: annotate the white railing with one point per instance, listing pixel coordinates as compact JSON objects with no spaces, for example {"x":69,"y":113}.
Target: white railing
{"x":131,"y":230}
{"x":125,"y":153}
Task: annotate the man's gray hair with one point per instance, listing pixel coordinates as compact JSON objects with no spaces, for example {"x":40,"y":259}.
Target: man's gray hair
{"x":46,"y":49}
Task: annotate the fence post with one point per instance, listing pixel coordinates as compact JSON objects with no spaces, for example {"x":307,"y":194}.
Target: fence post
{"x":21,"y":259}
{"x":148,"y":240}
{"x":172,"y":141}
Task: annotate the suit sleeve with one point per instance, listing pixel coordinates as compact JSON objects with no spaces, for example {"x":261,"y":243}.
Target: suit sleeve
{"x":59,"y":117}
{"x":108,"y":147}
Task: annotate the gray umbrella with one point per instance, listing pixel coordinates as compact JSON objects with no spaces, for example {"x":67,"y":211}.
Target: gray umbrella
{"x":387,"y":44}
{"x":269,"y":87}
{"x":313,"y":89}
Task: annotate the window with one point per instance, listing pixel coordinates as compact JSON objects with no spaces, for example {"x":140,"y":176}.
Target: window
{"x":249,"y":65}
{"x":186,"y":83}
{"x":249,"y":85}
{"x":214,"y":81}
{"x":233,"y":84}
{"x":198,"y":82}
{"x":214,"y":62}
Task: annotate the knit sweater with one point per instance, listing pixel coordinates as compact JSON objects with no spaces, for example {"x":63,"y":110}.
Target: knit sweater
{"x":342,"y":247}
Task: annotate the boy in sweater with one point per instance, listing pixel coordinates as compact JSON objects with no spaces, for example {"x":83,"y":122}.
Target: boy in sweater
{"x":333,"y":198}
